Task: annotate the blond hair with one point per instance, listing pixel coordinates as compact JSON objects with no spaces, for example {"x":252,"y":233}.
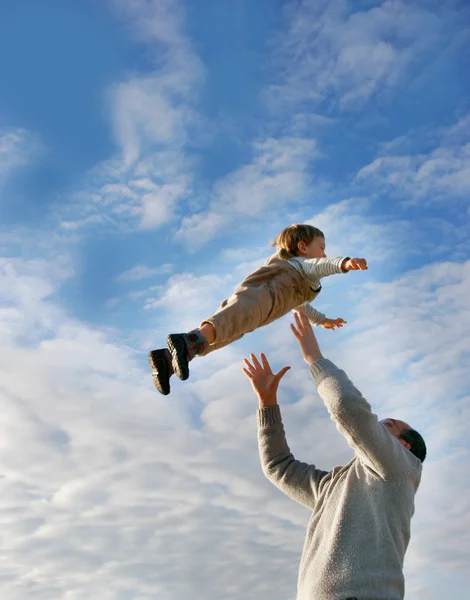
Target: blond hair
{"x":288,"y":240}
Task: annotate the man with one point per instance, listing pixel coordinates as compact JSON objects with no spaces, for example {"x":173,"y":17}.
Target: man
{"x":360,"y":524}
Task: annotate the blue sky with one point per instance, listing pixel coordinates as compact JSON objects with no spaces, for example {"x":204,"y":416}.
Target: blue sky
{"x":149,"y":153}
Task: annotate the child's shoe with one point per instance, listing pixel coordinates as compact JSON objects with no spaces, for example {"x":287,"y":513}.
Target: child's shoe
{"x":179,"y":354}
{"x":160,"y":361}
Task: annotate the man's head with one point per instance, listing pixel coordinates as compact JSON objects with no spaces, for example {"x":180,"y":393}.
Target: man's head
{"x":408,"y":437}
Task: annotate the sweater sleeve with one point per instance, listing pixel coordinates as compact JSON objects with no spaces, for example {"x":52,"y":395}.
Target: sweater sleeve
{"x":298,"y":480}
{"x":374,"y":446}
{"x":317,"y":268}
{"x":314,"y":316}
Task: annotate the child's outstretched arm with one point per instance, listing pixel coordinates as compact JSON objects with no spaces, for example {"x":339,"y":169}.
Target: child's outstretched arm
{"x":317,"y":268}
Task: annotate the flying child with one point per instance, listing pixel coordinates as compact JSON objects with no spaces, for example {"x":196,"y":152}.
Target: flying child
{"x":289,"y":279}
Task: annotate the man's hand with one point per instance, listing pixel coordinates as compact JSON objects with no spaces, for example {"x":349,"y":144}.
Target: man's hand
{"x":263,"y":380}
{"x":308,"y":343}
{"x":332,"y":323}
{"x":356,"y":264}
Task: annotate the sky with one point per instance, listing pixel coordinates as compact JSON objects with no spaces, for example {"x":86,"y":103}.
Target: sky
{"x":150,"y":151}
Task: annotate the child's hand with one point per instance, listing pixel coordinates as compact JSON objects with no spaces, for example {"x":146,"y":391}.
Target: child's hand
{"x":333,"y":323}
{"x":355,"y":264}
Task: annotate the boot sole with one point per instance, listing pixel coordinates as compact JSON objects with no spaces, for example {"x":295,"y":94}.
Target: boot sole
{"x":180,"y":363}
{"x":162,"y":386}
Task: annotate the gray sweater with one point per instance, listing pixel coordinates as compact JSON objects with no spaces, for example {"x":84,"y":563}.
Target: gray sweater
{"x":359,"y":528}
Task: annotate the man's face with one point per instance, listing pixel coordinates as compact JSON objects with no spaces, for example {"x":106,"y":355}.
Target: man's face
{"x":396,"y":428}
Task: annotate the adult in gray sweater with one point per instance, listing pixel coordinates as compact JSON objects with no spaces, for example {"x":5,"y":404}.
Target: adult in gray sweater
{"x":359,"y":528}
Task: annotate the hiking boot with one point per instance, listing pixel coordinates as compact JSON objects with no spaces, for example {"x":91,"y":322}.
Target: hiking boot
{"x":179,"y":354}
{"x":159,"y":360}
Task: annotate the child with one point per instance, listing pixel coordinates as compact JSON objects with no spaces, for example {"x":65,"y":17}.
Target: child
{"x":290,"y":279}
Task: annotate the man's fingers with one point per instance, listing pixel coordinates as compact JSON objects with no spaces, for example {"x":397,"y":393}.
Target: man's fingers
{"x":281,"y":373}
{"x":265,"y":362}
{"x":303,"y":319}
{"x":249,"y":366}
{"x":255,"y":361}
{"x":297,"y":320}
{"x":247,"y":373}
{"x":295,"y":332}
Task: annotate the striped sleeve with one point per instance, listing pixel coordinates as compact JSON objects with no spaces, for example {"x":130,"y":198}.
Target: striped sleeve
{"x":314,"y":316}
{"x":317,"y":268}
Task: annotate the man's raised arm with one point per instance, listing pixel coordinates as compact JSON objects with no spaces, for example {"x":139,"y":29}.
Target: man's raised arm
{"x":298,"y":480}
{"x":370,"y":440}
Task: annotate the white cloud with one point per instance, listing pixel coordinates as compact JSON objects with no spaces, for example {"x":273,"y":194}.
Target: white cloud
{"x":349,"y":230}
{"x":336,"y":56}
{"x":142,"y":272}
{"x":151,"y":111}
{"x":187,"y":299}
{"x":155,"y":122}
{"x":109,"y":486}
{"x":441,"y":174}
{"x":79,"y":223}
{"x":277,"y":175}
{"x":333,"y":57}
{"x":157,"y":207}
{"x":103,"y":479}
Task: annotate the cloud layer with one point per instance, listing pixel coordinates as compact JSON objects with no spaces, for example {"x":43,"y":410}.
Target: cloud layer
{"x":113,"y":487}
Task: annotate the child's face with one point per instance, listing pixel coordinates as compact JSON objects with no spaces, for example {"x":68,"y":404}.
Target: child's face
{"x":315,"y":249}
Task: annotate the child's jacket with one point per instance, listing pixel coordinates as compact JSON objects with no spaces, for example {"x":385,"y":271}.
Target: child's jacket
{"x":267,"y":294}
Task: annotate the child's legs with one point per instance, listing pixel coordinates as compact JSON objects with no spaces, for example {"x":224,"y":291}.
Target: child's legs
{"x":218,"y":345}
{"x":207,"y":330}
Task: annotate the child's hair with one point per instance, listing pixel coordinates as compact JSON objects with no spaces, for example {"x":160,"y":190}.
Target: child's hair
{"x":287,"y":241}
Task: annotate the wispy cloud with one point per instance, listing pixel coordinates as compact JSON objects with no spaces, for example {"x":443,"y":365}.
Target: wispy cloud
{"x":330,"y":59}
{"x":140,"y":272}
{"x":441,"y":174}
{"x":335,"y":57}
{"x":277,"y":175}
{"x":17,"y":149}
{"x":186,"y":299}
{"x":341,"y":56}
{"x":349,"y":228}
{"x":155,"y":122}
{"x":79,"y":223}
